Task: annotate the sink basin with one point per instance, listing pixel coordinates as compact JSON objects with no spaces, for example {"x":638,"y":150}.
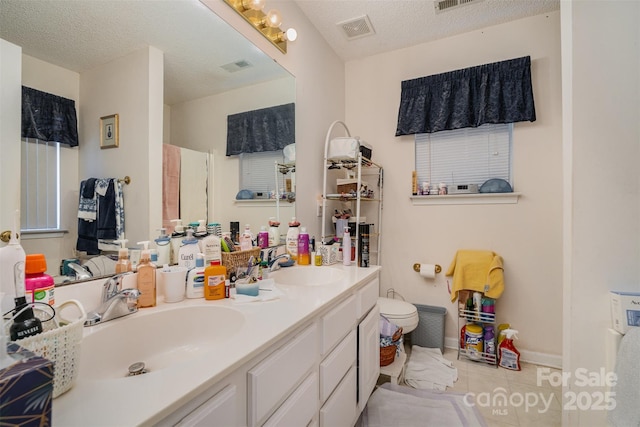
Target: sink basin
{"x":159,"y":339}
{"x":306,"y":276}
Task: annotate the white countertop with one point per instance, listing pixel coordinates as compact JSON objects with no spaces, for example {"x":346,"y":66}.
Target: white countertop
{"x":148,"y":398}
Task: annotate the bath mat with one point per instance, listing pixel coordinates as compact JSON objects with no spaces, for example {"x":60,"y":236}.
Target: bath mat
{"x":428,"y":369}
{"x":400,"y":406}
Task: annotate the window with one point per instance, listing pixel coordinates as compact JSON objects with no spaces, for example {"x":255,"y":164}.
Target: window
{"x":40,"y":185}
{"x":257,"y":172}
{"x":465,"y":156}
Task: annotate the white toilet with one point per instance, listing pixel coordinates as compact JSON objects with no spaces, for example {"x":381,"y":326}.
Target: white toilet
{"x":401,"y":313}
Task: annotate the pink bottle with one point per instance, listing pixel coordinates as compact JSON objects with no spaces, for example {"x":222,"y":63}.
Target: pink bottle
{"x":38,"y":285}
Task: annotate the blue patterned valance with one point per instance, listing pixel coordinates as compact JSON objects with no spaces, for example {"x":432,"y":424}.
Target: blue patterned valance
{"x":49,"y":117}
{"x":267,"y":129}
{"x":500,"y":92}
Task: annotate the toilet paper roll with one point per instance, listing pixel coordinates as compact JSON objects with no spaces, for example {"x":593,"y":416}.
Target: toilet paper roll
{"x":428,"y":271}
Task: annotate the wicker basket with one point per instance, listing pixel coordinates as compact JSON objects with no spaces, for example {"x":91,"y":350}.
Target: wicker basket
{"x":388,"y":353}
{"x":238,"y":259}
{"x":61,"y":345}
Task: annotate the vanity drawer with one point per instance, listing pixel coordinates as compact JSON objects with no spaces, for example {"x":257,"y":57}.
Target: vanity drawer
{"x":367,"y":297}
{"x":336,"y":364}
{"x":340,"y":409}
{"x":337,"y":323}
{"x":300,"y":408}
{"x":272,"y":379}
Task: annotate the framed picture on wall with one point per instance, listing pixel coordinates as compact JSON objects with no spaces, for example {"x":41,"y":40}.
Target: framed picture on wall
{"x":109,"y":136}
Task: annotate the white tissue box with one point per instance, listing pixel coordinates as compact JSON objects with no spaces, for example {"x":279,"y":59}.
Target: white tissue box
{"x":625,"y":310}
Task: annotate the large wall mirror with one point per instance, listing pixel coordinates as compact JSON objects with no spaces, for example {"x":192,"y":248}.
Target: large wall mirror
{"x":209,"y":71}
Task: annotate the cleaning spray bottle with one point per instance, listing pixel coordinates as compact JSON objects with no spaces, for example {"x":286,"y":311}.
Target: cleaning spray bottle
{"x":146,"y":278}
{"x":163,"y":245}
{"x":123,"y":264}
{"x":176,"y":240}
{"x":507,"y":351}
{"x":188,"y":251}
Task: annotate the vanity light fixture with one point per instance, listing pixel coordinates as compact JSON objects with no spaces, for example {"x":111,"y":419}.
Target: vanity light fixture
{"x":268,"y":24}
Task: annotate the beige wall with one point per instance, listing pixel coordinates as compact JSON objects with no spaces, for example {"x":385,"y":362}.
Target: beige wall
{"x":527,"y":234}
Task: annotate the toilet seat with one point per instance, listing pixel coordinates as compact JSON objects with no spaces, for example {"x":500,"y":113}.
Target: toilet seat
{"x":400,"y":313}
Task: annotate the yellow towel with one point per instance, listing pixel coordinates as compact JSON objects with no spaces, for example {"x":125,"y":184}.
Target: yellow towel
{"x":479,"y":271}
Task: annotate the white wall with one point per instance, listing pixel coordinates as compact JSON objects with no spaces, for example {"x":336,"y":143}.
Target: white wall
{"x":59,"y":81}
{"x":601,"y":97}
{"x":528,"y":234}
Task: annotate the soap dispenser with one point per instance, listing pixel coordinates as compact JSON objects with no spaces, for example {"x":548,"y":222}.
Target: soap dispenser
{"x":163,"y":245}
{"x":146,"y":278}
{"x":124,"y":264}
{"x":176,"y":240}
{"x":188,"y":251}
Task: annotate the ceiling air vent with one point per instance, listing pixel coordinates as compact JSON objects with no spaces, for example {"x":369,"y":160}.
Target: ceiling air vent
{"x":356,"y":27}
{"x":232,"y":67}
{"x":442,"y":5}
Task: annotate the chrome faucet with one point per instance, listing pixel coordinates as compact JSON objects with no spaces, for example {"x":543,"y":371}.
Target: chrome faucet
{"x":275,"y":263}
{"x":81,"y":272}
{"x":115,"y":302}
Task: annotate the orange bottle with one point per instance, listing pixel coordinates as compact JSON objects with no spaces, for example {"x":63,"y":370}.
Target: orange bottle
{"x":214,"y":277}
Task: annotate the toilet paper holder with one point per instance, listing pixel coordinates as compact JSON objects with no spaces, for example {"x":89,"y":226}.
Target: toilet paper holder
{"x":416,"y":268}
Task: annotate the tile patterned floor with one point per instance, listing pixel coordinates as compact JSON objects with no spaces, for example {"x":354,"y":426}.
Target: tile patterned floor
{"x":505,"y":397}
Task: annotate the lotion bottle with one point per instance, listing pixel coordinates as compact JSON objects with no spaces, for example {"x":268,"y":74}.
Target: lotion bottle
{"x":214,"y":281}
{"x":346,"y":247}
{"x":123,"y":264}
{"x":188,"y":251}
{"x":211,"y":247}
{"x":246,"y":239}
{"x":146,"y":278}
{"x":292,"y":238}
{"x":195,"y":279}
{"x":163,"y":245}
{"x":274,"y":232}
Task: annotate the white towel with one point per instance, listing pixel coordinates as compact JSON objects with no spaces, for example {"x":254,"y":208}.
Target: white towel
{"x":627,"y":389}
{"x":428,"y":369}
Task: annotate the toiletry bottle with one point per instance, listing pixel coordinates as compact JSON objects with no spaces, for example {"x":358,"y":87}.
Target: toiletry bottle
{"x":292,"y":238}
{"x":188,"y":251}
{"x":123,"y":264}
{"x":200,"y":231}
{"x":234,"y":226}
{"x":146,"y":279}
{"x":346,"y":247}
{"x":304,"y":257}
{"x":489,"y":342}
{"x":507,"y":351}
{"x":11,"y":256}
{"x":211,"y":247}
{"x":263,"y":237}
{"x":274,"y":232}
{"x":38,"y":285}
{"x":163,"y":245}
{"x":214,"y":279}
{"x":176,"y":240}
{"x":195,"y":279}
{"x":246,"y":239}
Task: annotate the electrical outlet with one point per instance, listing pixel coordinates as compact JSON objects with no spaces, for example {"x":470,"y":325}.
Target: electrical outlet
{"x":319,"y":208}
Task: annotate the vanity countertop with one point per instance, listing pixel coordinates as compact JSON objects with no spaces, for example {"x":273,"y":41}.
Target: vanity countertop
{"x":147,"y":399}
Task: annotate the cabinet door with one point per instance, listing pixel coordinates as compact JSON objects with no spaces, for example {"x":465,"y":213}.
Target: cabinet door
{"x":337,"y":323}
{"x":367,"y":297}
{"x":220,"y":410}
{"x":368,"y":355}
{"x":300,"y":408}
{"x":340,"y":409}
{"x":336,"y":364}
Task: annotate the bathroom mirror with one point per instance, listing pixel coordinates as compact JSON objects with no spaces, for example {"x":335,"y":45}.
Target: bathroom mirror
{"x":209,"y":68}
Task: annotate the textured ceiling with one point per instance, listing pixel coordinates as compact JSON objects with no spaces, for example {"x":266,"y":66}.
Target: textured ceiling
{"x":403,"y":23}
{"x":83,"y":34}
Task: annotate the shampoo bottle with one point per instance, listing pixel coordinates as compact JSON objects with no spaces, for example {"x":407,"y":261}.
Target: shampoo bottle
{"x":146,"y":278}
{"x":292,"y":238}
{"x":123,"y":264}
{"x":246,"y":239}
{"x":263,"y":238}
{"x":188,"y":251}
{"x":176,"y":240}
{"x":214,"y":280}
{"x":304,"y":256}
{"x":346,"y":247}
{"x":163,"y":245}
{"x":507,"y":351}
{"x":195,"y":279}
{"x":274,"y":232}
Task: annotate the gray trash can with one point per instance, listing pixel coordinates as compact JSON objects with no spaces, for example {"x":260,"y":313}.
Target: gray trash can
{"x":430,"y":330}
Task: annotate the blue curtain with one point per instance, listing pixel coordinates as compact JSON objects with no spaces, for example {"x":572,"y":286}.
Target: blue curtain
{"x":500,"y":92}
{"x":267,"y":129}
{"x":49,"y":117}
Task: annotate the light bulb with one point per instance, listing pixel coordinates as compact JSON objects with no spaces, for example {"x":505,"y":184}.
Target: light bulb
{"x":273,"y":19}
{"x":253,"y":4}
{"x":290,"y":35}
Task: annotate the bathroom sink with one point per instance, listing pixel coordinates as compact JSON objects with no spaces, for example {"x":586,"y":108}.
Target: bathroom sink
{"x":306,"y":276}
{"x":159,"y":339}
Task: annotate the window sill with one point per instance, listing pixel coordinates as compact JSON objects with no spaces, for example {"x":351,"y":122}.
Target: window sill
{"x":467,"y":199}
{"x":42,"y":234}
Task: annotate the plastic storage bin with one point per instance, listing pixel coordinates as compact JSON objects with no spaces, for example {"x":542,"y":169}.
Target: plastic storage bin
{"x":430,"y":330}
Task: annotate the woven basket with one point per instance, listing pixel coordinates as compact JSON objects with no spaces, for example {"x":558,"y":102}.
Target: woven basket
{"x":61,"y":345}
{"x":238,"y":259}
{"x":388,"y":353}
